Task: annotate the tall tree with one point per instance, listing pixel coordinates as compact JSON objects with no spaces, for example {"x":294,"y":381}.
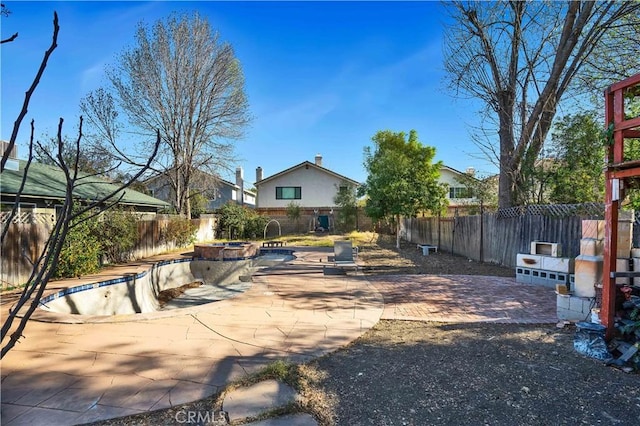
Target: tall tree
{"x":180,"y":78}
{"x":520,"y":58}
{"x":402,"y":178}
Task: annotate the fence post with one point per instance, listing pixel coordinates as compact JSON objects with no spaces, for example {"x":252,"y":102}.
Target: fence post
{"x":453,"y":231}
{"x":481,"y":232}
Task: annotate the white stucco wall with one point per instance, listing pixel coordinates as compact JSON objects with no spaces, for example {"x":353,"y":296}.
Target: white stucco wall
{"x":448,"y":177}
{"x":318,"y":188}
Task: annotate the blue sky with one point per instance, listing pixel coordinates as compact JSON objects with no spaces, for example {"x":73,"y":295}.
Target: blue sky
{"x":321,"y":77}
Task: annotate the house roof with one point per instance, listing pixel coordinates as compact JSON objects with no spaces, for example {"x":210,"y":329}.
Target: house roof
{"x":49,"y":182}
{"x":307,"y":164}
{"x":235,"y":186}
{"x":458,"y":172}
{"x":217,"y":179}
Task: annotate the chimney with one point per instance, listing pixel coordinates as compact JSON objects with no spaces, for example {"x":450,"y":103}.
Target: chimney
{"x":14,"y":152}
{"x":258,"y":174}
{"x":239,"y":176}
{"x":318,"y":160}
{"x":240,"y":184}
{"x":12,"y":160}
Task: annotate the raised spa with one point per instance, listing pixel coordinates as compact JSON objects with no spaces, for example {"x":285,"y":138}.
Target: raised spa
{"x":221,"y":279}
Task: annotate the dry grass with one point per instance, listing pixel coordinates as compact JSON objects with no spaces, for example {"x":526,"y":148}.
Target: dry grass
{"x":305,"y":379}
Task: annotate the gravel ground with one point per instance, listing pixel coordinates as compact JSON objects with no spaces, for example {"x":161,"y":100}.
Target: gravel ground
{"x":418,"y":373}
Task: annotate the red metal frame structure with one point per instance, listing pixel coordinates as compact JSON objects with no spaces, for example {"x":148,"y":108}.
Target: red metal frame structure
{"x":618,"y":175}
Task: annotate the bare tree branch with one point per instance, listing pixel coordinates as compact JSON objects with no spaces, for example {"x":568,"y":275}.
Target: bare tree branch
{"x":44,"y":266}
{"x":29,"y":93}
{"x":534,"y":52}
{"x":181,"y":79}
{"x":10,"y":39}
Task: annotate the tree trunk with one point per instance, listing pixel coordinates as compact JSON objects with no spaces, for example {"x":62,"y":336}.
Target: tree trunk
{"x":507,"y":143}
{"x":398,"y":232}
{"x":505,"y":182}
{"x":187,"y":204}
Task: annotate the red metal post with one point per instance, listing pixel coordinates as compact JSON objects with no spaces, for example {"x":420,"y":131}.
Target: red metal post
{"x":608,"y":308}
{"x":616,"y":175}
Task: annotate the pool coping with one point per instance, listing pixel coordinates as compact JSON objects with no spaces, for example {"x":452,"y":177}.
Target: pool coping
{"x":43,"y":315}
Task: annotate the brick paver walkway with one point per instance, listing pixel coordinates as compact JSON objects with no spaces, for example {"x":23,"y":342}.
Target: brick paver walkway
{"x":464,"y":298}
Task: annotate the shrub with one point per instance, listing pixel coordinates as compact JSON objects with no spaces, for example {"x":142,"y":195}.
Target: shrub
{"x":241,"y":222}
{"x":293,"y":213}
{"x":118,"y":234}
{"x":179,"y":231}
{"x":80,"y":254}
{"x":255,"y":225}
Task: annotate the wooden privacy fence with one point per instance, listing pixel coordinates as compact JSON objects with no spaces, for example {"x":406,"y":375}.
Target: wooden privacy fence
{"x":25,"y":242}
{"x":492,"y":237}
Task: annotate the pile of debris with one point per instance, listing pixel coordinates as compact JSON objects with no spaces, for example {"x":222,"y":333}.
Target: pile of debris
{"x":623,"y":351}
{"x":625,"y":347}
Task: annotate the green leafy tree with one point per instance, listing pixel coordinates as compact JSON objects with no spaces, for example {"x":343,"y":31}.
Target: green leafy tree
{"x":484,"y":189}
{"x":578,"y":158}
{"x":241,"y":222}
{"x":198,"y":204}
{"x":402,"y":178}
{"x":346,"y":198}
{"x":521,"y":58}
{"x":232,"y":220}
{"x":254,"y":224}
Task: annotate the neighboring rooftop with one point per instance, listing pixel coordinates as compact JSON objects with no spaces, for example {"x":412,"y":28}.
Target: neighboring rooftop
{"x":49,"y":182}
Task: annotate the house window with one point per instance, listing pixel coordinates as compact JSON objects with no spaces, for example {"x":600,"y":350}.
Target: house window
{"x":459,"y":192}
{"x":288,"y":192}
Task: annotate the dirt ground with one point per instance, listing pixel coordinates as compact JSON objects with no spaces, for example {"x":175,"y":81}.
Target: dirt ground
{"x":417,"y":373}
{"x":384,"y":258}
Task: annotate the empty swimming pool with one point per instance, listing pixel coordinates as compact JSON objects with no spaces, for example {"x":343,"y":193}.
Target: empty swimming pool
{"x":139,"y":293}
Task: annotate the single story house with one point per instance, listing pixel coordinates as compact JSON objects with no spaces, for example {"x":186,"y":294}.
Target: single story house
{"x":44,"y":191}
